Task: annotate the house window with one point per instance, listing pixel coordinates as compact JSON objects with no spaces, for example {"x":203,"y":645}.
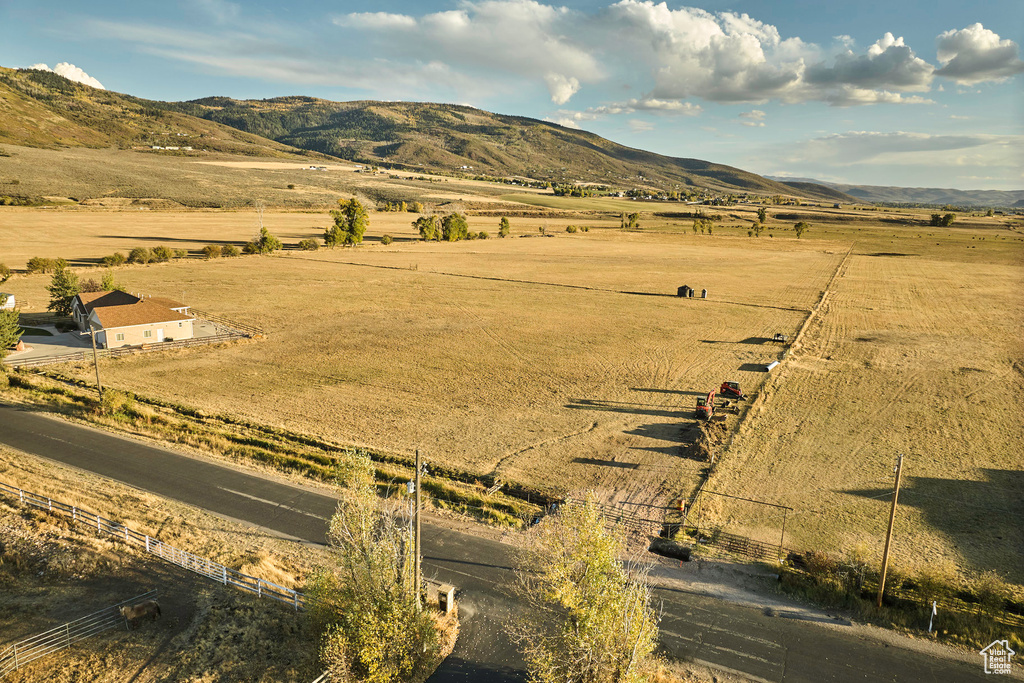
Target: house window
{"x":147,"y":333}
{"x":181,"y":324}
{"x":119,"y":336}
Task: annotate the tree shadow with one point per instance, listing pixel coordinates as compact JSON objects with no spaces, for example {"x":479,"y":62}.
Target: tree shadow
{"x":607,"y":463}
{"x":677,"y":392}
{"x":753,"y":367}
{"x":981,"y":518}
{"x":623,"y":407}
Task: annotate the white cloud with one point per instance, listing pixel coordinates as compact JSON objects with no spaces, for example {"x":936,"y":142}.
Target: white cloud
{"x":648,"y":104}
{"x":70,"y":72}
{"x":640,"y":126}
{"x":562,"y":88}
{"x":976,"y":54}
{"x":887,"y":63}
{"x":376,"y":20}
{"x":849,"y":96}
{"x":567,"y":121}
{"x":753,"y":118}
{"x":220,"y":11}
{"x":905,"y":148}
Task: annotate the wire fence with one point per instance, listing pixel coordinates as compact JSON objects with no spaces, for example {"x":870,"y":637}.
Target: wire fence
{"x":81,"y":356}
{"x":64,"y":636}
{"x":186,"y":560}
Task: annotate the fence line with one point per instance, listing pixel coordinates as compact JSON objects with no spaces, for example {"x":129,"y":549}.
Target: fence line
{"x":80,"y":356}
{"x":243,"y":328}
{"x":186,"y":560}
{"x":64,"y":636}
{"x":619,"y":516}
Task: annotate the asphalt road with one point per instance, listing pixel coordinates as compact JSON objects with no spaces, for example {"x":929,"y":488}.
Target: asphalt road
{"x":745,"y":640}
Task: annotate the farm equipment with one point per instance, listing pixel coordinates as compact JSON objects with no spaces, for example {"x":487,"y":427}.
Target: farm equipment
{"x":706,"y":406}
{"x":732,"y":390}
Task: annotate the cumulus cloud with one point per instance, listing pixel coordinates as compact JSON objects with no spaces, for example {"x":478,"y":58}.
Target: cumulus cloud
{"x":753,"y":118}
{"x":562,"y":88}
{"x":887,"y":63}
{"x":70,"y":72}
{"x":976,"y":54}
{"x":376,"y":20}
{"x":850,"y":96}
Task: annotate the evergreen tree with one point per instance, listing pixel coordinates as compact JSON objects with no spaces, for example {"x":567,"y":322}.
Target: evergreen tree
{"x":10,"y":331}
{"x":63,"y":288}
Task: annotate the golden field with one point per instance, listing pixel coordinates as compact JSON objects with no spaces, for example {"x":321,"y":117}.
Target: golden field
{"x":565,"y":363}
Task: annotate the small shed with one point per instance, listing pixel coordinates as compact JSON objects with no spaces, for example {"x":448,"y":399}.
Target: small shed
{"x":684,"y":291}
{"x":703,"y":294}
{"x":6,"y":301}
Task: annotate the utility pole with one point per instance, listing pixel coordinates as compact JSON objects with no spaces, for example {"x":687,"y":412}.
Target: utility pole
{"x":888,"y":535}
{"x":95,"y":359}
{"x":416,"y":565}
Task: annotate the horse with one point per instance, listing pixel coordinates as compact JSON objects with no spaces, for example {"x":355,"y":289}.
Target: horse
{"x":149,"y":608}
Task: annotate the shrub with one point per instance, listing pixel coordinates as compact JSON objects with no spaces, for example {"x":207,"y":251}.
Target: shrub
{"x":115,"y":259}
{"x":471,"y":235}
{"x":571,"y":228}
{"x":291,"y":186}
{"x":140,"y":255}
{"x":38,"y":264}
{"x":229,"y":250}
{"x":180,"y":253}
{"x":308,"y":245}
{"x":212,"y":251}
{"x":482,"y":235}
{"x":162,"y":254}
{"x":5,"y":272}
{"x":386,"y":240}
{"x":585,"y":228}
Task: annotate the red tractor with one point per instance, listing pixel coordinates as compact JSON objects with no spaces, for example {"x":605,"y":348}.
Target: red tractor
{"x":732,"y":390}
{"x":706,"y":406}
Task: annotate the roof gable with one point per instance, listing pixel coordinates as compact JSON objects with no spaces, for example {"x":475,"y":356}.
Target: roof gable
{"x":142,"y":312}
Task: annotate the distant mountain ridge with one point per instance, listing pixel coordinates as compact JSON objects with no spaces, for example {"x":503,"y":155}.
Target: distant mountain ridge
{"x":918,"y":195}
{"x":43,"y":109}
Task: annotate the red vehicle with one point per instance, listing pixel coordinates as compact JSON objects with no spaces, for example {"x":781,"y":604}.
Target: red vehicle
{"x":732,"y":390}
{"x":706,"y":406}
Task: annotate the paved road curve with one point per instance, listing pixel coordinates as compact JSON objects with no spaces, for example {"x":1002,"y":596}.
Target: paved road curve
{"x":693,"y":626}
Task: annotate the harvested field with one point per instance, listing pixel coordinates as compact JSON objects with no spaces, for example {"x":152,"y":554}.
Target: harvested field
{"x":913,"y":356}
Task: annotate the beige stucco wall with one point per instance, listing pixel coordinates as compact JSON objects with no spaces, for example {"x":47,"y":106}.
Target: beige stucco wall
{"x":136,"y":334}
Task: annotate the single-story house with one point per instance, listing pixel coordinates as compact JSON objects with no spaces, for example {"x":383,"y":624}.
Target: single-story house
{"x":6,"y":301}
{"x":123,"y":319}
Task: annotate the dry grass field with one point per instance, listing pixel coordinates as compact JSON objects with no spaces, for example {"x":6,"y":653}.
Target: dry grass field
{"x":565,"y":363}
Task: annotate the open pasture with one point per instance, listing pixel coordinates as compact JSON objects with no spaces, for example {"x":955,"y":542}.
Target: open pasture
{"x":564,"y":363}
{"x":908,"y":355}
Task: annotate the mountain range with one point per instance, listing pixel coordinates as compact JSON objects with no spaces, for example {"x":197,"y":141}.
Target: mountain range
{"x":918,"y":196}
{"x":42,"y":109}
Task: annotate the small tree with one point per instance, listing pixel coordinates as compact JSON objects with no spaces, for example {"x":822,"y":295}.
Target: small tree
{"x":386,"y":240}
{"x":762,"y":215}
{"x":38,"y":264}
{"x":365,"y":607}
{"x":10,"y":331}
{"x":63,"y":288}
{"x":107,"y":284}
{"x":263,"y":243}
{"x":589,"y":618}
{"x":429,"y":227}
{"x":415,"y":207}
{"x":454,"y":227}
{"x":350,"y":223}
{"x":212,"y":251}
{"x":308,"y":245}
{"x":800,"y":228}
{"x":162,"y":254}
{"x":115,"y":259}
{"x":140,"y":255}
{"x":5,"y":272}
{"x":229,"y":250}
{"x":504,"y":228}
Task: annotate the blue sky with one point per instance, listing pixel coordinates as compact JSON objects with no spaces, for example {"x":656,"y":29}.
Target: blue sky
{"x":903,"y":92}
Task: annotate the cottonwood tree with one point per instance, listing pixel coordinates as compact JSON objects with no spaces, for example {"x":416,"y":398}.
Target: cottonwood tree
{"x":589,"y":617}
{"x":800,"y":228}
{"x":504,"y":228}
{"x":350,"y":223}
{"x":454,"y":227}
{"x":63,"y":288}
{"x":429,"y":227}
{"x":762,"y":215}
{"x":10,"y":331}
{"x":364,"y":607}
